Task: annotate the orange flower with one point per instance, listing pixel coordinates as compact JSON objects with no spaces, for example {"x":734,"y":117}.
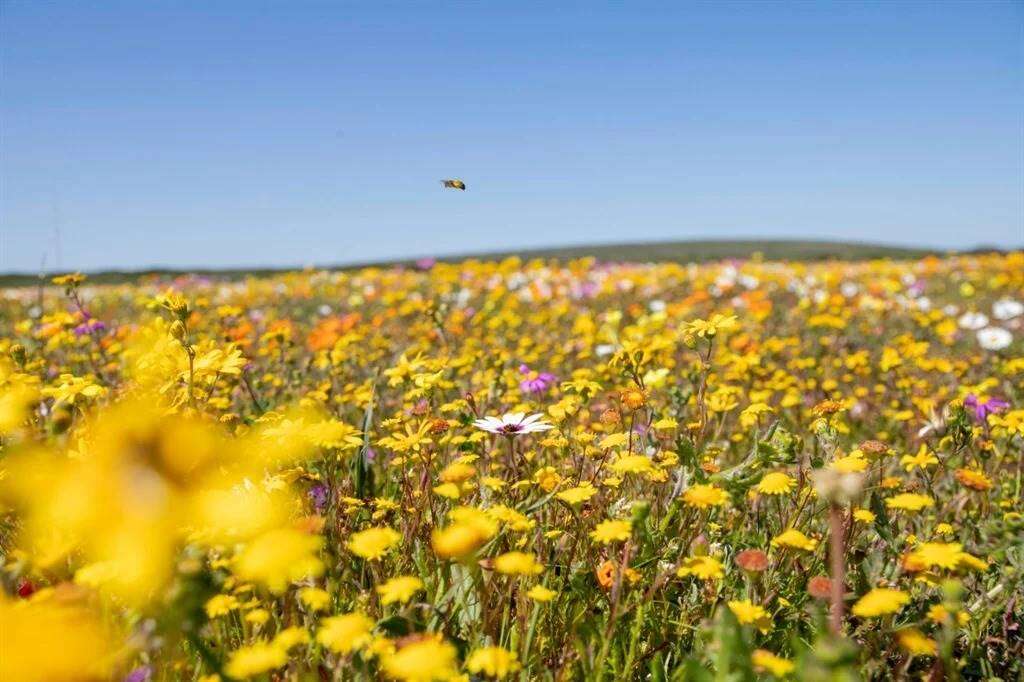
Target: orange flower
{"x":973,"y":479}
{"x":606,"y":575}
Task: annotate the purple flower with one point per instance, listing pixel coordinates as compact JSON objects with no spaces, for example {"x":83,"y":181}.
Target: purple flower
{"x":983,"y":408}
{"x":426,"y":263}
{"x":90,"y":326}
{"x":140,"y":674}
{"x":320,"y":495}
{"x":535,"y":382}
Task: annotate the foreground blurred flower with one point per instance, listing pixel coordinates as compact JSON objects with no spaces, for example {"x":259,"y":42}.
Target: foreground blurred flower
{"x":513,"y":423}
{"x":766,"y":661}
{"x":48,"y":641}
{"x":915,"y":643}
{"x":280,"y":557}
{"x":426,"y":659}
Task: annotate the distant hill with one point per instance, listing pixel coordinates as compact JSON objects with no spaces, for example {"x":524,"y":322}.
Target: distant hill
{"x":675,"y":251}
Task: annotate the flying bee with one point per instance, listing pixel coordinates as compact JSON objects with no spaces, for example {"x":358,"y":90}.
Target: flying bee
{"x":454,"y":183}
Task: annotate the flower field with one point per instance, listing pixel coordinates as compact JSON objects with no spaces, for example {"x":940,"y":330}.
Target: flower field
{"x":517,"y":470}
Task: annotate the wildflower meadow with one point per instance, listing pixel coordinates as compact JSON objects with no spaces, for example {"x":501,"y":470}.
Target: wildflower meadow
{"x":517,"y":470}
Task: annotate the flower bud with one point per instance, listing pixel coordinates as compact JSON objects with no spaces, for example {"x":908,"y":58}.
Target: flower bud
{"x":178,"y":330}
{"x":18,"y":353}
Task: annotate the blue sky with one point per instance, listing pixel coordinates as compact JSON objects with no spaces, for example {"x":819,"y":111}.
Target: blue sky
{"x":292,"y":133}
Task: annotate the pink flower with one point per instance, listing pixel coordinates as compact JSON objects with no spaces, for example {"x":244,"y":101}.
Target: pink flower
{"x":535,"y":382}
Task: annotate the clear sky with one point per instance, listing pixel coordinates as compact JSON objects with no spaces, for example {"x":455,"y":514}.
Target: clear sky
{"x":300,"y":132}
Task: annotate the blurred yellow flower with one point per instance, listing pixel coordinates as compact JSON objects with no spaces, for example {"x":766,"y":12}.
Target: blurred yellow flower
{"x":342,"y":634}
{"x":609,"y":531}
{"x":493,"y":661}
{"x":280,"y":557}
{"x":373,"y":543}
{"x":879,"y":602}
{"x":399,"y":590}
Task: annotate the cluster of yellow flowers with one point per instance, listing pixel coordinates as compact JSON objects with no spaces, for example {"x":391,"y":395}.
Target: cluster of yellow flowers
{"x":531,"y":470}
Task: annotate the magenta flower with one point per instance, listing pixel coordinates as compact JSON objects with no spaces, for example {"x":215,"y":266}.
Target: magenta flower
{"x":90,"y":326}
{"x":535,"y":382}
{"x":983,"y":408}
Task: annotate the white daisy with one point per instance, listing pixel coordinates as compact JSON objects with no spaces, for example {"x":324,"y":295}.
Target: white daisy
{"x":1007,"y":309}
{"x":513,"y":423}
{"x":994,"y":338}
{"x":973,"y":321}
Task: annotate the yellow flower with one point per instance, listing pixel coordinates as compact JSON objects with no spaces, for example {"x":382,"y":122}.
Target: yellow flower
{"x":400,"y":589}
{"x":315,"y":598}
{"x":373,"y":543}
{"x":279,"y":557}
{"x":342,"y":634}
{"x":922,"y":460}
{"x":457,"y":540}
{"x":935,"y":554}
{"x":578,"y":494}
{"x":221,"y":605}
{"x":291,"y":637}
{"x":450,"y":491}
{"x":541,"y":593}
{"x":776,"y":483}
{"x":850,"y":464}
{"x":703,"y":567}
{"x":613,"y":441}
{"x":703,"y":496}
{"x":914,"y":642}
{"x":253,"y":660}
{"x":909,"y":502}
{"x":44,"y":640}
{"x":632,"y":464}
{"x":611,"y":531}
{"x":493,"y":661}
{"x":427,"y":659}
{"x":765,"y":660}
{"x":710,"y":327}
{"x":547,"y":478}
{"x":939,"y":614}
{"x":749,"y":416}
{"x":973,"y":479}
{"x":794,"y":539}
{"x":748,"y":613}
{"x":257,"y":616}
{"x":71,"y":387}
{"x":517,"y":563}
{"x":864,"y":516}
{"x":880,"y":601}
